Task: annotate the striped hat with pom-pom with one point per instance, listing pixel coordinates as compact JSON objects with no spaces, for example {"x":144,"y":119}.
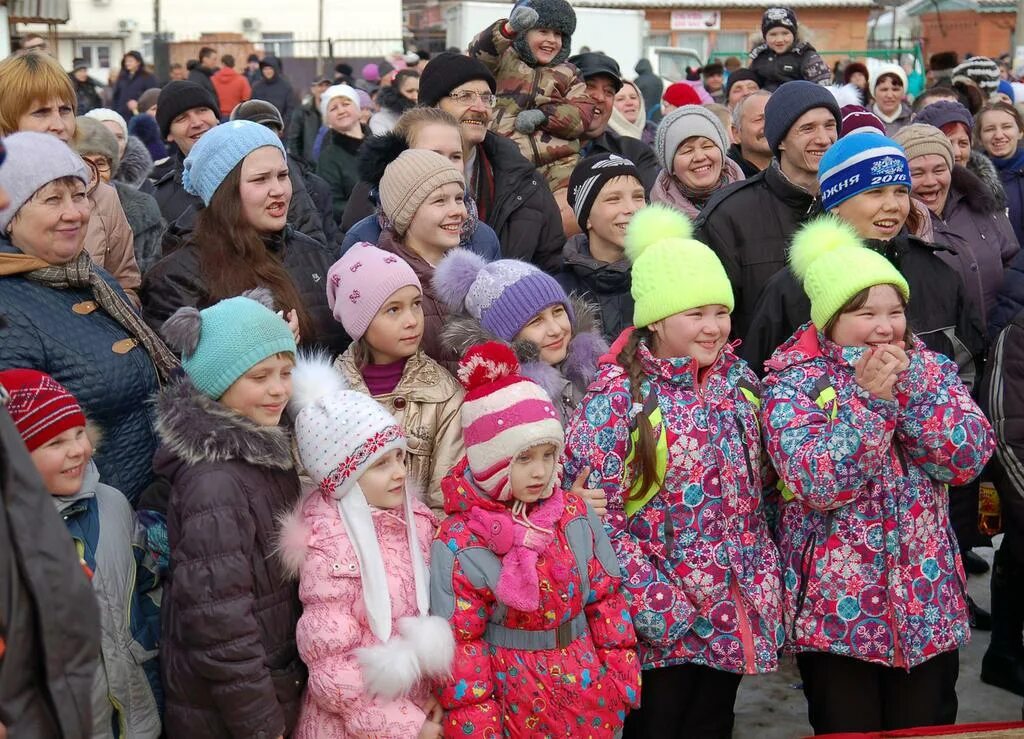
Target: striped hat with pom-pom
{"x":834,"y":265}
{"x":672,"y":272}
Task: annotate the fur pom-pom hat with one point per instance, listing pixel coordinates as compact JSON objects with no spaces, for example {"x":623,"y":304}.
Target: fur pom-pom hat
{"x":833,"y":264}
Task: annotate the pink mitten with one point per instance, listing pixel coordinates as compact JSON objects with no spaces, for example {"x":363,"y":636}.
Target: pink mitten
{"x":497,"y":529}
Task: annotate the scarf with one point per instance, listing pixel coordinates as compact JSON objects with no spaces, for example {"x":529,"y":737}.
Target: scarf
{"x":669,"y":190}
{"x":621,"y":125}
{"x":1013,"y":162}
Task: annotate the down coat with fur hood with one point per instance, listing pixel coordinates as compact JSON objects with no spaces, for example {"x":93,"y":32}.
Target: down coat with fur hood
{"x":230,"y":663}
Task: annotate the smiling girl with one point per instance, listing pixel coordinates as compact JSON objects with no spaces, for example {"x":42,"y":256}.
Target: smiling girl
{"x":998,"y":128}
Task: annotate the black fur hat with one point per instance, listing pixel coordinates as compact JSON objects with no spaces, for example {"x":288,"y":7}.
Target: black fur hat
{"x":555,"y":14}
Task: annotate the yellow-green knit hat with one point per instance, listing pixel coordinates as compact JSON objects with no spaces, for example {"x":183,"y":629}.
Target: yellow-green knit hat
{"x":672,"y":272}
{"x":834,"y":265}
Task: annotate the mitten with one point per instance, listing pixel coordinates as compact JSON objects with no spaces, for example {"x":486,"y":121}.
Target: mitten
{"x":522,"y":18}
{"x":529,"y":121}
{"x":496,"y":529}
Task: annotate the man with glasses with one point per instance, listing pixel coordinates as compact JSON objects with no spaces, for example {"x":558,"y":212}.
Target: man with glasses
{"x":511,"y":196}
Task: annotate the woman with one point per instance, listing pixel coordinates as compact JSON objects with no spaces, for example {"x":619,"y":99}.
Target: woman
{"x":889,"y":88}
{"x":242,"y":239}
{"x":856,"y":74}
{"x":629,"y":118}
{"x":339,"y":110}
{"x":691,"y":146}
{"x":394,"y":100}
{"x":68,"y":318}
{"x":131,"y":83}
{"x":998,"y":129}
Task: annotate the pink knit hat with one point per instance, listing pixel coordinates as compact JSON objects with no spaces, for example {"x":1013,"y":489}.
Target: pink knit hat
{"x":360,"y":282}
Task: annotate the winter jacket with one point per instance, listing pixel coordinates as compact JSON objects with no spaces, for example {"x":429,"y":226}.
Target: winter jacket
{"x":870,"y":561}
{"x":145,"y":221}
{"x":736,"y":154}
{"x":390,"y":106}
{"x":982,"y":168}
{"x":899,"y":121}
{"x":667,"y":191}
{"x":709,"y":595}
{"x":87,"y":94}
{"x":277,"y":90}
{"x":555,"y":89}
{"x":112,"y":544}
{"x":136,"y":164}
{"x":801,"y":62}
{"x":636,"y":151}
{"x":176,"y":281}
{"x":230,"y":664}
{"x":80,"y":347}
{"x":495,"y":689}
{"x":748,"y":225}
{"x":130,"y":87}
{"x":1011,"y":174}
{"x":47,"y":603}
{"x":165,"y":186}
{"x":651,"y":85}
{"x":333,"y":625}
{"x":338,"y":165}
{"x":606,"y":284}
{"x":232,"y":89}
{"x":145,"y":129}
{"x":426,"y":402}
{"x":1010,"y":300}
{"x":302,"y":132}
{"x":109,"y":240}
{"x":203,"y":76}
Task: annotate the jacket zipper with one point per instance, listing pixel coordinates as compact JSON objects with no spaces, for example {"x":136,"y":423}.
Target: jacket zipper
{"x":533,"y":96}
{"x":805,"y":575}
{"x":746,"y":453}
{"x":743,"y":623}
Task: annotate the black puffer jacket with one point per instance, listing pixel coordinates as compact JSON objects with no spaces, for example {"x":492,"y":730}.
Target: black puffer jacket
{"x":172,"y":198}
{"x":277,"y":90}
{"x":302,"y":132}
{"x":228,"y":655}
{"x":604,"y":284}
{"x":801,"y":62}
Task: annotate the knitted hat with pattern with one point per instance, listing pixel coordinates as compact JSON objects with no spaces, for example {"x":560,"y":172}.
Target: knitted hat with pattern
{"x":590,"y":176}
{"x":40,"y":407}
{"x":778,"y":18}
{"x":671,"y":271}
{"x":361,"y":281}
{"x":919,"y":139}
{"x":33,"y":161}
{"x":219,"y":151}
{"x":858,"y":163}
{"x":681,"y":124}
{"x":410,"y":179}
{"x":982,"y":71}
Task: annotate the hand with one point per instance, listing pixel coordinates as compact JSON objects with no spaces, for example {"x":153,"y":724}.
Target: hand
{"x":293,"y":324}
{"x":133,"y":106}
{"x":430,"y":730}
{"x":594,"y":496}
{"x":896,"y":349}
{"x":529,"y":121}
{"x":876,"y":373}
{"x":522,"y":18}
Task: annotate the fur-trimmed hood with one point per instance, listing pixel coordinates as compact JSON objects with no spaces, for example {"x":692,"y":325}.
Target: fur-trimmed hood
{"x":136,"y":164}
{"x":391,"y":99}
{"x":978,"y":195}
{"x":981,"y":166}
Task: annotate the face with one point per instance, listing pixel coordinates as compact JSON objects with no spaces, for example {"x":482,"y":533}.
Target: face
{"x":627,"y":102}
{"x":999,"y":134}
{"x":807,"y":141}
{"x":210,"y":60}
{"x":881,"y":320}
{"x":54,"y":116}
{"x":178,"y":73}
{"x":697,"y":163}
{"x":438,"y":222}
{"x":342,"y":114}
{"x":740,"y":90}
{"x":268,"y":72}
{"x":52,"y":224}
{"x":122,"y":140}
{"x":396,"y":330}
{"x":188,"y":127}
{"x":858,"y":79}
{"x":600,"y":89}
{"x":961,"y":142}
{"x":81,"y":75}
{"x":265,"y":190}
{"x":470,"y":110}
{"x":544,"y":43}
{"x":551,"y":331}
{"x":751,"y":132}
{"x":531,"y":471}
{"x":131,"y":63}
{"x":410,"y":88}
{"x":618,"y":201}
{"x":930,"y":178}
{"x":877,"y":214}
{"x":713,"y":82}
{"x":888,"y":95}
{"x":262,"y":393}
{"x":383,"y":483}
{"x":62,"y":461}
{"x":779,"y":39}
{"x":440,"y":138}
{"x":700,"y":333}
{"x":101,"y":164}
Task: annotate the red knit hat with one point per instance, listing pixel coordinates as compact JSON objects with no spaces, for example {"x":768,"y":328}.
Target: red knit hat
{"x":680,"y":94}
{"x":39,"y":406}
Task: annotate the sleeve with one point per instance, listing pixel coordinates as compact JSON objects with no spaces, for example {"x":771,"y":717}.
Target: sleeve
{"x":1010,"y":301}
{"x":552,"y":236}
{"x":341,"y":188}
{"x":939,"y":426}
{"x":814,"y":69}
{"x":448,"y":449}
{"x":780,"y":310}
{"x":826,"y":463}
{"x":246,"y":88}
{"x":969,"y":338}
{"x":490,"y":44}
{"x":715,"y":229}
{"x":167,"y":288}
{"x":294,"y":140}
{"x":120,"y":250}
{"x":1005,"y":401}
{"x":569,"y":111}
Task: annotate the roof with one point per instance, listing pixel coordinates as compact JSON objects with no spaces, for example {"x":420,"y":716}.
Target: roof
{"x":721,"y":4}
{"x":921,"y":7}
{"x":38,"y":11}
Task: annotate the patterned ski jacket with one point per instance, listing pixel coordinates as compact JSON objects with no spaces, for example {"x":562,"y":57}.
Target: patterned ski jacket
{"x":870,"y":564}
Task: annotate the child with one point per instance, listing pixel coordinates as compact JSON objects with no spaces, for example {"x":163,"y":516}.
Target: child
{"x":377,"y":297}
{"x":781,"y":57}
{"x":868,"y":429}
{"x":111,"y":546}
{"x":672,"y":435}
{"x":360,"y":544}
{"x":230,"y":663}
{"x":524,"y":573}
{"x":542,"y":100}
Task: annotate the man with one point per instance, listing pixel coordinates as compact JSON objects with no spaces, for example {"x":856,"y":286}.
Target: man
{"x":742,"y":82}
{"x":749,"y":224}
{"x":274,"y":88}
{"x":305,"y":124}
{"x":713,"y":75}
{"x":177,"y":72}
{"x":651,"y":87}
{"x":511,"y":196}
{"x":751,"y":150}
{"x":232,"y":87}
{"x":202,"y":73}
{"x":87,"y":90}
{"x":34,"y":42}
{"x":252,"y":69}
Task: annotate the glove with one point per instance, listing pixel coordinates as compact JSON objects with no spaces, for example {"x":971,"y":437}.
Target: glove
{"x":522,"y":18}
{"x":529,"y":121}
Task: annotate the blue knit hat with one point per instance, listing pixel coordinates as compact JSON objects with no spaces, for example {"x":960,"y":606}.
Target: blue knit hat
{"x":858,"y":163}
{"x":219,"y":151}
{"x":223,"y":342}
{"x":791,"y":101}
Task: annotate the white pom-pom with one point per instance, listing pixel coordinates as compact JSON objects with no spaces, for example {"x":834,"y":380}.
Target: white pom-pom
{"x":817,"y":238}
{"x":652,"y":224}
{"x":292,"y":539}
{"x":390,"y":670}
{"x":313,"y":378}
{"x":431,"y":638}
{"x":848,"y":94}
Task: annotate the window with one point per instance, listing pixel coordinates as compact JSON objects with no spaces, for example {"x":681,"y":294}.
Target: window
{"x":97,"y":55}
{"x":147,"y":44}
{"x":279,"y":44}
{"x":733,"y":42}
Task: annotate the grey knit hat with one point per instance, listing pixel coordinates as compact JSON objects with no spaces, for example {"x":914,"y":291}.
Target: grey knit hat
{"x":33,"y":161}
{"x":681,"y":124}
{"x":92,"y":137}
{"x":409,"y":180}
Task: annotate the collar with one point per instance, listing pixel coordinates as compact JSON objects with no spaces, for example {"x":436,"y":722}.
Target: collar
{"x":787,"y":190}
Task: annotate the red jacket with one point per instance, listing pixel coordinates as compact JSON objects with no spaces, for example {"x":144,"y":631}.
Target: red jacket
{"x":232,"y":88}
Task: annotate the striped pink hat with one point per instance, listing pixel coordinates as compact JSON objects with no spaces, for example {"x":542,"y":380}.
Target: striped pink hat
{"x":503,"y":414}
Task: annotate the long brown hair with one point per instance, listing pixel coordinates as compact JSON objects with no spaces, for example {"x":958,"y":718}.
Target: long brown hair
{"x":644,"y":467}
{"x":233,"y":257}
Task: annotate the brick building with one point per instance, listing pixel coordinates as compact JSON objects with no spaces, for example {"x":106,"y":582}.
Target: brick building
{"x":982,"y":27}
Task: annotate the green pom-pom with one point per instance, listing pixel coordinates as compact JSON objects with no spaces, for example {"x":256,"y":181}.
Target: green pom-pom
{"x":818,"y":238}
{"x":653,"y":224}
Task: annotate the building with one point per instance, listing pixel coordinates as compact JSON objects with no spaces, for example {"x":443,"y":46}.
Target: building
{"x":980,"y":27}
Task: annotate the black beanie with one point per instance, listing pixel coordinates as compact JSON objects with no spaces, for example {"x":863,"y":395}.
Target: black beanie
{"x":778,"y":18}
{"x":590,"y":176}
{"x":738,"y":76}
{"x":789,"y":102}
{"x":447,"y":71}
{"x":178,"y":97}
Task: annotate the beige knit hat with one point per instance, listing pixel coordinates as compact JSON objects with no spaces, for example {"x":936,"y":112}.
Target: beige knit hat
{"x":409,"y":180}
{"x":919,"y":139}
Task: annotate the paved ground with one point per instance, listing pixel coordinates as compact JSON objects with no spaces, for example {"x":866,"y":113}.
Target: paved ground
{"x":773,"y":707}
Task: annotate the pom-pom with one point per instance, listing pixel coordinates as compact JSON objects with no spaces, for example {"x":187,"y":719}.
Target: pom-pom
{"x":431,"y":639}
{"x":376,"y":153}
{"x":261,"y":295}
{"x":455,"y":275}
{"x":292,"y":538}
{"x":848,"y":94}
{"x":313,"y":378}
{"x":653,"y":224}
{"x":390,"y":670}
{"x":182,"y":330}
{"x":817,"y":238}
{"x":486,"y":363}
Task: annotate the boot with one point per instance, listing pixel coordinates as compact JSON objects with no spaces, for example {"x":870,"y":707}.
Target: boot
{"x":1003,"y":663}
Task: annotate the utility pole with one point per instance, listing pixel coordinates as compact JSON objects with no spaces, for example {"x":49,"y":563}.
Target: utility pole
{"x":320,"y":37}
{"x":1018,"y":36}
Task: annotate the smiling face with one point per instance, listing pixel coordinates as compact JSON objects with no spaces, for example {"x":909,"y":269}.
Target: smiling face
{"x":806,"y":143}
{"x":877,"y":214}
{"x":395,"y":332}
{"x":437,"y":224}
{"x":440,"y":138}
{"x":54,"y":116}
{"x":779,"y":39}
{"x":889,"y":93}
{"x":383,"y":483}
{"x":262,"y":393}
{"x":627,"y":102}
{"x":999,"y":133}
{"x":52,"y":224}
{"x":551,"y":331}
{"x":188,"y":128}
{"x":613,"y":209}
{"x":698,"y":163}
{"x":600,"y":89}
{"x":751,"y":131}
{"x":876,"y":316}
{"x":466,"y":103}
{"x":342,"y":114}
{"x":265,"y":189}
{"x":699,"y":333}
{"x":544,"y":43}
{"x":960,"y":140}
{"x":531,"y":471}
{"x":930,"y":179}
{"x":62,"y":461}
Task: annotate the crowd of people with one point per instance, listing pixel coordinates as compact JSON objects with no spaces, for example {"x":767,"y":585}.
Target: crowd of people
{"x":499,"y":395}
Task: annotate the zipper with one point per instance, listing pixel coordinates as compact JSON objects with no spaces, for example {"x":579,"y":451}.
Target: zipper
{"x":746,"y":452}
{"x":533,"y":96}
{"x":901,"y":460}
{"x":801,"y":594}
{"x":743,"y":622}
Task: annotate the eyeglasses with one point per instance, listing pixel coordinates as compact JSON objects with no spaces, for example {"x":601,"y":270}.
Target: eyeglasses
{"x":466,"y":97}
{"x":102,"y":164}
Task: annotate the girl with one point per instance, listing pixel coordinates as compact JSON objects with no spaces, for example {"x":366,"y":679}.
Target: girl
{"x":230,"y":664}
{"x":377,"y":297}
{"x":998,"y":129}
{"x":524,"y":574}
{"x":868,"y":429}
{"x":360,"y":545}
{"x":671,"y":433}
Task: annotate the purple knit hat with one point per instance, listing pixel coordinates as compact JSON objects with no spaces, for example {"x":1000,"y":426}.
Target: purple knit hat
{"x":503,"y":295}
{"x":941,"y":112}
{"x":360,"y":282}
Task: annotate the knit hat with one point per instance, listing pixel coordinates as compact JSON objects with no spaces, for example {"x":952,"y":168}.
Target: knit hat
{"x":259,"y":111}
{"x":788,"y":103}
{"x":92,"y":137}
{"x":447,"y":71}
{"x":680,"y":94}
{"x":672,"y":272}
{"x":410,"y":179}
{"x":860,"y":163}
{"x":148,"y":99}
{"x":740,"y":75}
{"x":883,"y":69}
{"x":78,"y":63}
{"x":34,"y":160}
{"x":1006,"y":88}
{"x":942,"y":61}
{"x":221,"y":343}
{"x":681,"y":124}
{"x":919,"y":139}
{"x":40,"y":407}
{"x":370,"y":72}
{"x":589,"y":178}
{"x":858,"y":119}
{"x":557,"y":15}
{"x":503,"y":295}
{"x":778,"y":18}
{"x":337,"y":91}
{"x":219,"y":151}
{"x":944,"y":112}
{"x":106,"y":114}
{"x":181,"y":96}
{"x":833,"y":264}
{"x":982,"y":71}
{"x":364,"y":278}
